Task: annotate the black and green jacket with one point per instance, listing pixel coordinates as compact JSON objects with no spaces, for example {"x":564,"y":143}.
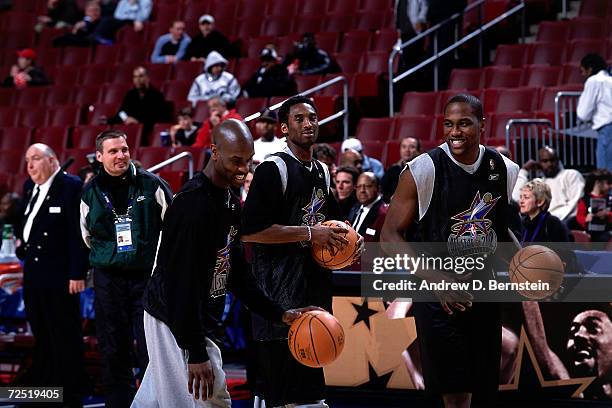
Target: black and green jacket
{"x":149,"y":196}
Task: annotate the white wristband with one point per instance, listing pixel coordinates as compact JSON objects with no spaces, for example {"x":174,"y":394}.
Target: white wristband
{"x":309,"y":233}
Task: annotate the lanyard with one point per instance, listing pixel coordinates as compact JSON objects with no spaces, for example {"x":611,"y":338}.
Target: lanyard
{"x":110,"y":206}
{"x":536,"y":230}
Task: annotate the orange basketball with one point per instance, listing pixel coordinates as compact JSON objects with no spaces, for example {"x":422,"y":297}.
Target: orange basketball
{"x":537,"y":263}
{"x":316,"y":338}
{"x":337,"y":259}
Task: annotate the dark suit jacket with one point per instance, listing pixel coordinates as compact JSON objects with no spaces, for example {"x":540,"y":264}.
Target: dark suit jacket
{"x":55,"y":252}
{"x":372,"y":224}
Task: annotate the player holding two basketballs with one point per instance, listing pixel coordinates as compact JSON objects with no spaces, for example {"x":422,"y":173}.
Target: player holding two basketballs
{"x":288,"y":201}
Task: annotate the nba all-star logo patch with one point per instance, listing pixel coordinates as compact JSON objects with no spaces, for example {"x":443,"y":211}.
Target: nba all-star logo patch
{"x":312,"y":215}
{"x":222,"y":266}
{"x":472,"y":234}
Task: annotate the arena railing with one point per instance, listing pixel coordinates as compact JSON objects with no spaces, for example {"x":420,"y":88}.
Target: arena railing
{"x":524,"y":137}
{"x":435,"y":59}
{"x":576,"y":139}
{"x":344,"y":113}
{"x":173,"y":159}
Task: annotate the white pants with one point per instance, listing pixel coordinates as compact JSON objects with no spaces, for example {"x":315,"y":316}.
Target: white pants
{"x":164,"y":384}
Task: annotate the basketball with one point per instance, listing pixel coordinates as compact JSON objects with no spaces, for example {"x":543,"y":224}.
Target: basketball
{"x":316,"y":338}
{"x":537,"y":263}
{"x":337,"y":259}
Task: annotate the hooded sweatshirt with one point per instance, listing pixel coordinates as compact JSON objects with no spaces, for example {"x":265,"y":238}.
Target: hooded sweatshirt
{"x":207,"y":86}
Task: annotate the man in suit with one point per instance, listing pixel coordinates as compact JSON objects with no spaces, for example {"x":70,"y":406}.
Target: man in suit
{"x":368,"y":215}
{"x":55,"y":265}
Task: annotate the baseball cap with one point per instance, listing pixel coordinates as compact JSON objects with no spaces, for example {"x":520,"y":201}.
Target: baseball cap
{"x":267,"y":115}
{"x":27,"y":53}
{"x":351,"y":143}
{"x":268,"y":53}
{"x":206,"y":18}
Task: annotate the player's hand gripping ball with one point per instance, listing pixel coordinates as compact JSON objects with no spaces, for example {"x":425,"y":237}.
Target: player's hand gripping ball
{"x":337,"y":259}
{"x":316,"y":338}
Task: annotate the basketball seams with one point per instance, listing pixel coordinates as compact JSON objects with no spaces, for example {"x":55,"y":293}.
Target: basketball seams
{"x":330,"y":334}
{"x":312,"y":342}
{"x":520,"y":267}
{"x":297,"y":330}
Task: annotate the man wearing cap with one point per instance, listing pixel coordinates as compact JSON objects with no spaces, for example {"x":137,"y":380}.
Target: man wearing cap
{"x":271,"y":78}
{"x":369,"y":163}
{"x":267,"y":142}
{"x":25,"y":73}
{"x":171,"y":46}
{"x":207,"y":40}
{"x":215,"y":81}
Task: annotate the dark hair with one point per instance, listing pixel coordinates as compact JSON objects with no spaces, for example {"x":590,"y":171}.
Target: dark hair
{"x":108,"y":134}
{"x":418,"y":141}
{"x":471,"y":100}
{"x":323,"y":149}
{"x":593,"y":61}
{"x":591,"y":179}
{"x":283,"y":112}
{"x":186,"y":111}
{"x":350,"y":170}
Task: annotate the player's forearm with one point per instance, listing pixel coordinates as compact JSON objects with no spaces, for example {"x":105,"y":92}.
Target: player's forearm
{"x":278,"y":234}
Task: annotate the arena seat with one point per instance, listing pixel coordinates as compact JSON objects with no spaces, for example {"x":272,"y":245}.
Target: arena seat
{"x":12,"y":161}
{"x":374,"y":129}
{"x":133,"y":133}
{"x":553,"y":31}
{"x":76,"y":56}
{"x":87,"y":95}
{"x":419,"y":127}
{"x":356,"y":41}
{"x":577,"y":49}
{"x":30,"y":97}
{"x":94,"y":74}
{"x":502,"y":77}
{"x":106,"y":54}
{"x":248,"y":106}
{"x":84,"y":137}
{"x":114,"y":93}
{"x":595,"y":8}
{"x":419,"y":103}
{"x":276,"y":26}
{"x":373,"y":148}
{"x":56,"y":137}
{"x":33,"y":117}
{"x":15,"y":139}
{"x":465,"y":79}
{"x":65,"y":115}
{"x":150,"y":156}
{"x":188,"y":70}
{"x":547,"y":53}
{"x":584,"y":28}
{"x":513,"y":55}
{"x":58,"y":95}
{"x":341,"y":22}
{"x":384,"y":39}
{"x":540,"y":75}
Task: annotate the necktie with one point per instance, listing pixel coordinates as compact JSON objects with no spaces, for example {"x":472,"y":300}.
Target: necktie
{"x":356,"y":223}
{"x":32,"y":202}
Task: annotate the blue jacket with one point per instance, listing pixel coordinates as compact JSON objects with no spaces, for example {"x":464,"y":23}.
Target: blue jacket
{"x":157,"y":56}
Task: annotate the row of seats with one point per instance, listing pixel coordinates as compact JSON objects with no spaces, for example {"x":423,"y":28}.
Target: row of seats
{"x":579,"y":28}
{"x":552,"y":53}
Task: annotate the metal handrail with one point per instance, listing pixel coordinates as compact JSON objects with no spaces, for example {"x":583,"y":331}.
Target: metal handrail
{"x":344,"y":112}
{"x":536,"y":122}
{"x":570,"y":156}
{"x":173,"y":159}
{"x":438,"y":55}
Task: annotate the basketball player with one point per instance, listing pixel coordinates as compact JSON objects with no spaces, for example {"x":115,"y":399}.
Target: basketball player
{"x":289,"y":197}
{"x":459,"y":192}
{"x":199,"y":257}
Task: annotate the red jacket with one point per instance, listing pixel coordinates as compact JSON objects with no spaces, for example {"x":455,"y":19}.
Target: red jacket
{"x":203,"y":139}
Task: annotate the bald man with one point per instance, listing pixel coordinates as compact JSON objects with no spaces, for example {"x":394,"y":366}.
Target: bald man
{"x":55,"y":265}
{"x":199,"y":258}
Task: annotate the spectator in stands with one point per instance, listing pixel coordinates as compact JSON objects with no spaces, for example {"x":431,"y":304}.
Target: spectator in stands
{"x":214,"y":82}
{"x":86,"y":173}
{"x":55,"y":265}
{"x":81,"y":34}
{"x":594,"y":212}
{"x":326,"y":154}
{"x":267,"y":142}
{"x":9,"y":210}
{"x":352,"y":158}
{"x":307,"y":59}
{"x":60,"y":14}
{"x":368,"y":215}
{"x":411,"y":20}
{"x":218,"y":114}
{"x":410,"y":148}
{"x":170,"y":48}
{"x":539,"y":225}
{"x":369,"y":163}
{"x":244,"y":190}
{"x":25,"y":72}
{"x":122,"y":210}
{"x":503,"y":150}
{"x":566,"y":185}
{"x":595,"y":104}
{"x":207,"y":40}
{"x":271,"y":78}
{"x":134,"y":12}
{"x":185,"y":131}
{"x":346,"y":178}
{"x":143,"y":104}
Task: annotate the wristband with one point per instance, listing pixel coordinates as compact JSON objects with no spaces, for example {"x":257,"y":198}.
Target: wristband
{"x":309,"y":233}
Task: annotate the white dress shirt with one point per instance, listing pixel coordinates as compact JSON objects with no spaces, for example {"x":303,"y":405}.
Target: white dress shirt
{"x":363,"y":212}
{"x":595,"y":103}
{"x":42,"y":194}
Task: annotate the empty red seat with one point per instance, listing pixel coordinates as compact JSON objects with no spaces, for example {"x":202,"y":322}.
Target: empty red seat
{"x":495,"y":126}
{"x":79,"y":156}
{"x":47,"y":56}
{"x":375,"y":62}
{"x":419,"y":103}
{"x":133,"y":54}
{"x":371,"y":20}
{"x":375,"y":5}
{"x":579,"y":48}
{"x":30,"y":97}
{"x":363,"y":84}
{"x":93,"y":74}
{"x":133,"y":133}
{"x":328,"y":41}
{"x":33,"y":117}
{"x":158,"y":73}
{"x":87,"y":95}
{"x":188,"y":70}
{"x":373,"y":148}
{"x":547,"y":53}
{"x":84,"y":137}
{"x":502,"y":77}
{"x":547,"y":96}
{"x":249,"y":27}
{"x":280,"y":8}
{"x":595,"y":8}
{"x":192,"y":10}
{"x":18,"y":39}
{"x":581,"y":236}
{"x":384,"y":40}
{"x":374,"y":129}
{"x":176,"y":91}
{"x":306,"y":24}
{"x":129,"y":38}
{"x":58,"y":95}
{"x":305,"y":82}
{"x":6,"y":96}
{"x":246,"y":68}
{"x":356,"y":41}
{"x":311,"y":7}
{"x":150,"y":156}
{"x":251,"y":8}
{"x":106,"y":54}
{"x":248,"y":106}
{"x":114,"y":93}
{"x":76,"y":56}
{"x":16,"y":139}
{"x":56,"y":137}
{"x":276,"y":26}
{"x":338,"y":22}
{"x":99,"y":113}
{"x":418,"y":127}
{"x":587,"y":28}
{"x":510,"y":100}
{"x":571,"y":74}
{"x":336,"y":88}
{"x":465,"y":79}
{"x":514,"y":55}
{"x":12,"y":161}
{"x":123,"y":74}
{"x":553,"y":31}
{"x":342,"y":6}
{"x":541,"y":75}
{"x":183,"y":164}
{"x":67,"y":115}
{"x":65,"y":75}
{"x":155,"y":140}
{"x":201,"y":112}
{"x":8,"y":116}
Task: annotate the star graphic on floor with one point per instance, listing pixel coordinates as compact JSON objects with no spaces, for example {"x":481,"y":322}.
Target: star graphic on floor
{"x":376,"y":382}
{"x":363,"y":313}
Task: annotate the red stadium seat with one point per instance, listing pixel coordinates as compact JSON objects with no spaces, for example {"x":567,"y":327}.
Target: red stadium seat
{"x":246,"y":68}
{"x":495,"y":125}
{"x":342,"y":6}
{"x":183,"y":165}
{"x":87,"y":95}
{"x":305,"y":82}
{"x":540,"y":75}
{"x":188,"y":70}
{"x":33,"y":117}
{"x":201,"y":112}
{"x":65,"y":75}
{"x":510,"y":100}
{"x":98,"y":114}
{"x":30,"y":97}
{"x":176,"y":91}
{"x":114,"y":93}
{"x":371,"y":20}
{"x":123,"y":74}
{"x":391,"y":154}
{"x":336,"y":88}
{"x":8,"y":116}
{"x":58,"y":95}
{"x":375,"y":5}
{"x":280,"y":8}
{"x":76,"y":56}
{"x":165,"y":14}
{"x":419,"y":127}
{"x":311,"y":7}
{"x":307,"y":24}
{"x":12,"y":161}
{"x":158,"y":73}
{"x":133,"y":54}
{"x":514,"y":55}
{"x":134,"y":135}
{"x":328,"y":41}
{"x":373,"y":148}
{"x":193,"y":10}
{"x":47,"y":56}
{"x":106,"y":54}
{"x":248,"y":106}
{"x":595,"y":8}
{"x":363,"y":84}
{"x":546,"y":102}
{"x":223,"y":9}
{"x":384,"y":40}
{"x":581,"y":236}
{"x":6,"y":96}
{"x":150,"y":156}
{"x":419,"y":103}
{"x":276,"y":26}
{"x":502,"y":77}
{"x":375,"y":62}
{"x":356,"y":41}
{"x":251,"y":8}
{"x":55,"y":137}
{"x":465,"y":79}
{"x":547,"y":53}
{"x":157,"y":129}
{"x":338,"y":22}
{"x":579,"y":48}
{"x":17,"y":139}
{"x":14,"y":20}
{"x":583,"y":28}
{"x":553,"y":31}
{"x":84,"y":137}
{"x":79,"y":156}
{"x":18,"y":39}
{"x":571,"y":74}
{"x":255,"y":45}
{"x":249,"y":27}
{"x":67,"y":115}
{"x":93,"y":74}
{"x":374,"y":129}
